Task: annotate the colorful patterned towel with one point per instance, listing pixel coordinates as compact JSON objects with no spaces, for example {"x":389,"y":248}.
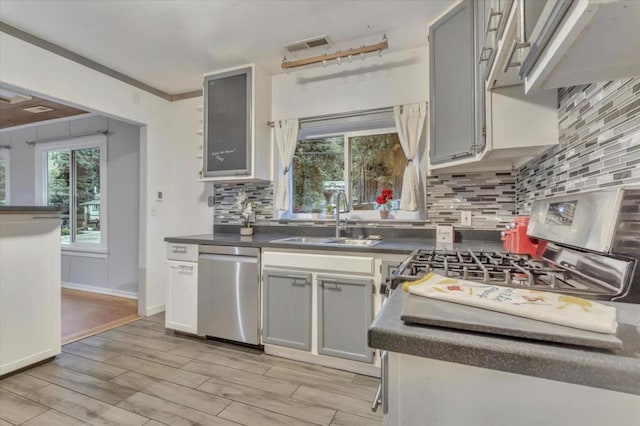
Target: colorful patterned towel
{"x":545,"y":306}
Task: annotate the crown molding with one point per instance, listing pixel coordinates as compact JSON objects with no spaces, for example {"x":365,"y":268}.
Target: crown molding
{"x":72,"y":56}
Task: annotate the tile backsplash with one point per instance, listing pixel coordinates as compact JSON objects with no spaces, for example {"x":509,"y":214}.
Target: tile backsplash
{"x":599,"y":143}
{"x":599,"y":126}
{"x":225,"y":211}
{"x":490,"y":196}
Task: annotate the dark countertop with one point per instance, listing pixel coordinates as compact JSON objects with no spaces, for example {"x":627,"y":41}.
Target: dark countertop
{"x":28,"y":209}
{"x":614,"y":370}
{"x":388,"y":245}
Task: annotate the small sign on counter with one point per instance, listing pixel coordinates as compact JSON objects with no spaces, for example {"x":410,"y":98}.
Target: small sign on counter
{"x":445,"y":237}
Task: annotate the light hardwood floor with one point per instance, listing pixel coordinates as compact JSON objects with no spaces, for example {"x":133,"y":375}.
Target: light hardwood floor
{"x":85,"y":313}
{"x":140,"y":374}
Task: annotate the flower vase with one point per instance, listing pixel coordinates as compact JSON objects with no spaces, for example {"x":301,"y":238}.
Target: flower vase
{"x":246,"y":231}
{"x":384,"y":214}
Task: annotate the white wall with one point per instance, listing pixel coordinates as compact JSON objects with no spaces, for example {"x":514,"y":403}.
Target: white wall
{"x":396,"y":78}
{"x":27,"y":67}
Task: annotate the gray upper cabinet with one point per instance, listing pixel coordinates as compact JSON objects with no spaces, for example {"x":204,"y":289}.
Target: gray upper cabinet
{"x":286,"y":308}
{"x":227,"y":123}
{"x":452,"y":85}
{"x":344,"y":314}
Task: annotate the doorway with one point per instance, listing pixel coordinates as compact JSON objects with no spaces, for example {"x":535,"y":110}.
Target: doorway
{"x":81,"y":163}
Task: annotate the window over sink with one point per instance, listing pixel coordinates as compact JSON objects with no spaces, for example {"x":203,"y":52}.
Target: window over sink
{"x":361,"y":164}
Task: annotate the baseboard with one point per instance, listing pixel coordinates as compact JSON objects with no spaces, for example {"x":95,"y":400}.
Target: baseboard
{"x":326,"y":361}
{"x":152,"y":310}
{"x":101,"y":290}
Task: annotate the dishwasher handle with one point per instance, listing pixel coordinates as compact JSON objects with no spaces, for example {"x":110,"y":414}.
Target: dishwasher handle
{"x":228,"y":258}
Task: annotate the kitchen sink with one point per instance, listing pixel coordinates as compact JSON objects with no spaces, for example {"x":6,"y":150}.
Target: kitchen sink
{"x":328,"y":241}
{"x":305,"y":240}
{"x":355,"y":242}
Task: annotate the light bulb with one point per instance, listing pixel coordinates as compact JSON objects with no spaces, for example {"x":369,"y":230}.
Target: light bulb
{"x":350,"y":58}
{"x":339,"y":60}
{"x":324,"y":63}
{"x":362,"y":56}
{"x":380,"y":53}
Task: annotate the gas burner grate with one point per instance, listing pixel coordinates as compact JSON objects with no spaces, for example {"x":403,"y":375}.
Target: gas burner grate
{"x":491,"y":267}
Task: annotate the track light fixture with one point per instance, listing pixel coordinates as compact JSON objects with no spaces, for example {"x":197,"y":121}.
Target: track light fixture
{"x":338,"y":56}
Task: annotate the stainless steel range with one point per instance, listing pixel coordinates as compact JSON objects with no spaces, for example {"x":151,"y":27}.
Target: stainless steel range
{"x":592,"y":250}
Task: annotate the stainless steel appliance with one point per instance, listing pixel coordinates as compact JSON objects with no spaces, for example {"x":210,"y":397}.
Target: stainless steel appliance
{"x":229,"y":293}
{"x":592,"y":251}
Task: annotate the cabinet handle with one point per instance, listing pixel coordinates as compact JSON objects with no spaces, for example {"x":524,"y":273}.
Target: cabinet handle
{"x":515,"y":46}
{"x":45,"y":217}
{"x":186,"y":268}
{"x":299,"y":284}
{"x":492,"y":14}
{"x":179,"y":249}
{"x":484,"y":58}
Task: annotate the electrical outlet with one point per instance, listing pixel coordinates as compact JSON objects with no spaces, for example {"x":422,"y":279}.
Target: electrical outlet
{"x":465,"y":219}
{"x":211,"y":200}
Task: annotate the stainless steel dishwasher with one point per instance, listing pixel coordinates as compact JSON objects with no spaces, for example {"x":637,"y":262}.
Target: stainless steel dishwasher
{"x":229,"y":293}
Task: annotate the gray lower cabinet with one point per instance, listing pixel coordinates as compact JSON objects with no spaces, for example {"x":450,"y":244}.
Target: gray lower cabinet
{"x":344,"y":314}
{"x":286,"y":308}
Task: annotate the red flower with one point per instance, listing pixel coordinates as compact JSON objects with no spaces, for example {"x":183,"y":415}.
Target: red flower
{"x":385,"y":196}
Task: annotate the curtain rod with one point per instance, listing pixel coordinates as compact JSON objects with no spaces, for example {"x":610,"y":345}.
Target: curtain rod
{"x":103,"y":132}
{"x":341,"y":115}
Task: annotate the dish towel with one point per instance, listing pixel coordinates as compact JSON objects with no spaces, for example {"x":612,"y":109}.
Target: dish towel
{"x":556,"y":308}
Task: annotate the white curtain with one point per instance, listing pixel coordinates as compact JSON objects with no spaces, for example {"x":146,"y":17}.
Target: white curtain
{"x":410,"y":122}
{"x":286,"y":136}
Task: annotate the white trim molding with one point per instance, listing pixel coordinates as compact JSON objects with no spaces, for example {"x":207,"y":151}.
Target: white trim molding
{"x":101,"y":290}
{"x":152,"y":310}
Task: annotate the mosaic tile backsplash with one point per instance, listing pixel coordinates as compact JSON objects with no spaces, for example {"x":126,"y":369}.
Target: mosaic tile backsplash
{"x":599,"y":143}
{"x":490,"y":196}
{"x":225,"y":211}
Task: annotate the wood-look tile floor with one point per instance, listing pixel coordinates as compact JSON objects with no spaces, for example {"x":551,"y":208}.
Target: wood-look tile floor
{"x":85,"y":313}
{"x":140,"y":374}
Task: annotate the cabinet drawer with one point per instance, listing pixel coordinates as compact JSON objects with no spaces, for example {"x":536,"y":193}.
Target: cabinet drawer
{"x":320,"y":262}
{"x":184,"y":252}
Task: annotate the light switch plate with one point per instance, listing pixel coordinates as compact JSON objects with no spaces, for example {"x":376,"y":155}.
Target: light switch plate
{"x":465,"y":218}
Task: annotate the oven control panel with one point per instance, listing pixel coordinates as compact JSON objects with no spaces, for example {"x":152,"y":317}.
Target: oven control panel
{"x":585,"y":220}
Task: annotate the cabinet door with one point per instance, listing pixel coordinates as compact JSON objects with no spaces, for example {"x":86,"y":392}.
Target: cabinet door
{"x":182,"y":296}
{"x":228,"y":123}
{"x":452,"y":84}
{"x":344,"y":315}
{"x":286,"y":310}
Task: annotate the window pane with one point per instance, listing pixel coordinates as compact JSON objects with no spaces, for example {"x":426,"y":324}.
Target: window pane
{"x":87,"y":178}
{"x":3,"y":182}
{"x":318,"y":172}
{"x":58,"y":177}
{"x":377,"y":163}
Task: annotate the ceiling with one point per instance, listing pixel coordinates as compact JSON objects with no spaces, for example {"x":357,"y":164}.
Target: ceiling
{"x":13,"y":114}
{"x":169,"y":44}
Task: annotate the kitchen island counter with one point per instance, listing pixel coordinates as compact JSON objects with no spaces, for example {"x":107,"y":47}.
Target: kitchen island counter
{"x":612,"y":370}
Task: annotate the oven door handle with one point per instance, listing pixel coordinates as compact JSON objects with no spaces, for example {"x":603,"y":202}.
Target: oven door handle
{"x":382,"y":395}
{"x":377,"y":400}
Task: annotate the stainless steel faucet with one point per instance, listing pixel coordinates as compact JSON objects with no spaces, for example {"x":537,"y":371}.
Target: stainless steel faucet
{"x":340,"y":226}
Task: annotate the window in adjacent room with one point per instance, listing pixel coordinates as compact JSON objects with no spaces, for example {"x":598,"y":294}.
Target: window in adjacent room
{"x":4,"y":177}
{"x":72,"y":175}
